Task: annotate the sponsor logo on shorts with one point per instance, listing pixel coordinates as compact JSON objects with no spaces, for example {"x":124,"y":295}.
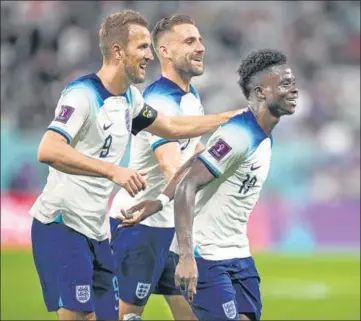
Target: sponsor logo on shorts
{"x":82,"y":293}
{"x":230,"y":309}
{"x":142,"y":290}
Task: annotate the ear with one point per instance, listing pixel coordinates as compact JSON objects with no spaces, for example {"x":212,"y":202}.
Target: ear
{"x":259,"y":91}
{"x":163,"y":52}
{"x":117,"y":51}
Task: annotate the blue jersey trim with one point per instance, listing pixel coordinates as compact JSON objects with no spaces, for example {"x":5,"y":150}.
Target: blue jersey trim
{"x":60,"y":304}
{"x":196,"y":252}
{"x":169,"y":89}
{"x":61,"y":132}
{"x":94,"y":83}
{"x":59,"y":219}
{"x":214,"y":171}
{"x":161,"y":142}
{"x":248,"y":121}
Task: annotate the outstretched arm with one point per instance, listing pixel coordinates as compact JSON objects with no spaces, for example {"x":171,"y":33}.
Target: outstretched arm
{"x":176,"y":127}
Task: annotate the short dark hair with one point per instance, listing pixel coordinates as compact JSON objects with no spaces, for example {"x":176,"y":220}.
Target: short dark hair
{"x":167,"y":23}
{"x":115,"y":28}
{"x":255,"y":62}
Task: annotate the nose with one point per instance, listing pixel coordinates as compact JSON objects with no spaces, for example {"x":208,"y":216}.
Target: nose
{"x":149,"y":55}
{"x":294,"y":90}
{"x":200,"y":48}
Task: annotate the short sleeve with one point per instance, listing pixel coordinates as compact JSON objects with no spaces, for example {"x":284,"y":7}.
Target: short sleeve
{"x":143,"y":114}
{"x":226,"y":148}
{"x":72,"y":112}
{"x":166,"y":105}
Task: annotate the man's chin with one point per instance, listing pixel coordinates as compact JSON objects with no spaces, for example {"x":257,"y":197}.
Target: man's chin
{"x":138,"y":80}
{"x":198,"y":72}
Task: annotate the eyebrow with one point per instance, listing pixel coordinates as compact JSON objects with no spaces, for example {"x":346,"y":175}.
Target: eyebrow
{"x":193,"y":38}
{"x":286,"y":78}
{"x":143,"y":44}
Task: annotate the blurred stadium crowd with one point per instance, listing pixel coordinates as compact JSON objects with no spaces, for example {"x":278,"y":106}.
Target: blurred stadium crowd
{"x":45,"y":44}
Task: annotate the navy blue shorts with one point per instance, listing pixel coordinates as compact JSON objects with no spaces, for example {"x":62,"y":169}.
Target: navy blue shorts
{"x":227,"y":288}
{"x":76,"y":273}
{"x":144,"y":263}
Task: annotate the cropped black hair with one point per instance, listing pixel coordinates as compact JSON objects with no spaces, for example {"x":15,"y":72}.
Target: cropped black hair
{"x":255,"y":62}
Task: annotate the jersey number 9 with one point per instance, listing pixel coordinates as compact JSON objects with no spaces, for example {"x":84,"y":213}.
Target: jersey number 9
{"x":106,"y":147}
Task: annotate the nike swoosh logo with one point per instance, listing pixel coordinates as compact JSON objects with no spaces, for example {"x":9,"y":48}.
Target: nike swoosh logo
{"x":107,"y":127}
{"x":254,"y":168}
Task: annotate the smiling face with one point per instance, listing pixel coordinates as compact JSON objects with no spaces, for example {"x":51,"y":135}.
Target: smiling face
{"x":137,"y":53}
{"x":185,"y":49}
{"x":279,"y":90}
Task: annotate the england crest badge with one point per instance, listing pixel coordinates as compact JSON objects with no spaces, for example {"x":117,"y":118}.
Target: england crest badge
{"x":230,"y":309}
{"x":82,"y":293}
{"x":142,"y":290}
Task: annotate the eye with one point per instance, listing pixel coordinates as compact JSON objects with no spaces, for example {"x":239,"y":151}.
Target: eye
{"x":285,"y":84}
{"x":189,"y":41}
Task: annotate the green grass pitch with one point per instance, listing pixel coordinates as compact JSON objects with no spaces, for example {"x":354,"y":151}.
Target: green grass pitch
{"x":317,"y":287}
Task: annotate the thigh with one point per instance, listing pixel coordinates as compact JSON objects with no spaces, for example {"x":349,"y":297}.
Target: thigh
{"x":64,"y":263}
{"x":166,"y":283}
{"x":139,"y":263}
{"x":248,"y":298}
{"x":105,"y":282}
{"x":246,"y":282}
{"x":216,"y":296}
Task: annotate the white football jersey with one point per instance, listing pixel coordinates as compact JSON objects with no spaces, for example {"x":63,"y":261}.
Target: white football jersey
{"x":98,"y":125}
{"x":168,"y":98}
{"x":238,"y":154}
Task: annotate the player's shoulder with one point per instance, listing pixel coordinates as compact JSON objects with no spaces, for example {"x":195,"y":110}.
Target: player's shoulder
{"x":163,"y":94}
{"x":83,"y":82}
{"x":163,"y":87}
{"x":88,"y":85}
{"x":244,"y":126}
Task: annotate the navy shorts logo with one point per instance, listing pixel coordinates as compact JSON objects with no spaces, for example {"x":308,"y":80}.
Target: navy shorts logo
{"x":64,"y":114}
{"x":220,"y":149}
{"x":82,"y":293}
{"x":142,"y":290}
{"x":230,"y":309}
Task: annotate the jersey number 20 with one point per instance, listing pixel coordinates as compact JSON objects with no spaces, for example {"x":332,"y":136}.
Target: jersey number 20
{"x":106,"y":147}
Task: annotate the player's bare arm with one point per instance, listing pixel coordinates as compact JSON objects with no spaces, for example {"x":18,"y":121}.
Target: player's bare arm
{"x":175,"y":127}
{"x":144,"y":209}
{"x":56,"y":152}
{"x":168,"y":157}
{"x":196,"y":178}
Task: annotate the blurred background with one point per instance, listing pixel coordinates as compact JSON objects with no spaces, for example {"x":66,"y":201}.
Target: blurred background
{"x":305,"y":231}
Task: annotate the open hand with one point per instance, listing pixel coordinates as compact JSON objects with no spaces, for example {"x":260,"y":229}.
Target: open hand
{"x":139,"y":212}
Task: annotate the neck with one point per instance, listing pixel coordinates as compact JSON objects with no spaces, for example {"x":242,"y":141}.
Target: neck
{"x":181,"y":80}
{"x":113,"y":78}
{"x":265,"y":119}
